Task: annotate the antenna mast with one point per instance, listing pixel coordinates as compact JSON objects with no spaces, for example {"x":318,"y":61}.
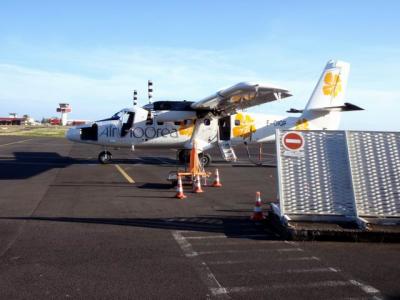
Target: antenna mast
{"x":150,"y":90}
{"x":134,"y":97}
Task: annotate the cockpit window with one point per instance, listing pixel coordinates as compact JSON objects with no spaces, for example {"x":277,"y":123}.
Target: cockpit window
{"x":117,"y":115}
{"x":114,"y":117}
{"x":127,"y":124}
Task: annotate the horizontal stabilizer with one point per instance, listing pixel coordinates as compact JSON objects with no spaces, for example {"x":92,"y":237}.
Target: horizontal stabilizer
{"x":345,"y":107}
{"x":294,"y":111}
{"x":350,"y":107}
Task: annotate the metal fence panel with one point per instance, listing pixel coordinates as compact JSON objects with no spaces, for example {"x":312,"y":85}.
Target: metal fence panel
{"x":318,"y":181}
{"x":375,"y":167}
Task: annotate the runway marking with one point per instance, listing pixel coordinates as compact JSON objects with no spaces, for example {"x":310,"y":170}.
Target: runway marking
{"x":238,"y":242}
{"x":18,"y":142}
{"x":203,"y":237}
{"x":204,"y":271}
{"x":370,"y":290}
{"x":302,"y":258}
{"x":233,"y":262}
{"x":245,"y":289}
{"x":127,"y":177}
{"x":290,"y":249}
{"x":247,"y":250}
{"x":299,"y":271}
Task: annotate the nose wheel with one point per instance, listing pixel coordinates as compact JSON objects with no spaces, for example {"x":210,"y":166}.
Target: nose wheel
{"x":105,"y":157}
{"x":204,"y":158}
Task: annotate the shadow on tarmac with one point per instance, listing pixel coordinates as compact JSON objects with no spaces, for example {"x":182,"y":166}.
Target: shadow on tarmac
{"x":24,"y":165}
{"x":231,"y":226}
{"x":28,"y":164}
{"x":155,"y":185}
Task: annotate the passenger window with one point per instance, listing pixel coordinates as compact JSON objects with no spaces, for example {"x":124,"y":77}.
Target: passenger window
{"x":237,"y":122}
{"x":177,"y":123}
{"x":160,"y":123}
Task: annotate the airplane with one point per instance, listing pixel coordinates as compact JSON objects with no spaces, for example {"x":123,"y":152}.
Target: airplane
{"x":218,"y":120}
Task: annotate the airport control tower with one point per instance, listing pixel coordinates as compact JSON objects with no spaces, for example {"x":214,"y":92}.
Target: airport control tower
{"x":64,"y":109}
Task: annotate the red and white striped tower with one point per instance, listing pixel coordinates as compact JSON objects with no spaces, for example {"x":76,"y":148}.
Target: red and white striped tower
{"x":64,"y":109}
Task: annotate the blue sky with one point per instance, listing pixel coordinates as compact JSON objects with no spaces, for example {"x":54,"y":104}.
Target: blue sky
{"x":93,"y":54}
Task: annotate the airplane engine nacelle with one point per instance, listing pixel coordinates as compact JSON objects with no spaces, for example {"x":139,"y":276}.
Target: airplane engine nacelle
{"x":175,"y":116}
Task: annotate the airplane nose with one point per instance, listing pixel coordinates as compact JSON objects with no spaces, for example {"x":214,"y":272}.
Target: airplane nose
{"x":73,"y":134}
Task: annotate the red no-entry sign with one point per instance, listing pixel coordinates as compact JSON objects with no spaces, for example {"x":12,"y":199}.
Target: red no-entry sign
{"x":293,"y":141}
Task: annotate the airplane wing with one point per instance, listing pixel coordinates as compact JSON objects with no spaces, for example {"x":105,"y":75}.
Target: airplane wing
{"x":240,"y":96}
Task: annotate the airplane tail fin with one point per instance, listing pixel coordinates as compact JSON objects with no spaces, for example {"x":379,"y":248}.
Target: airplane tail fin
{"x":323,"y":110}
{"x":331,"y":87}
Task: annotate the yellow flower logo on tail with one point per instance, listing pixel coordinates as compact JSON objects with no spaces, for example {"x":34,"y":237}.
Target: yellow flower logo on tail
{"x":332,"y":84}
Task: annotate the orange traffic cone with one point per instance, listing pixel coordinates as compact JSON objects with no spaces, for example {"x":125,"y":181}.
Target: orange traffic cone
{"x":216,"y":182}
{"x":179,"y":189}
{"x":197,"y":185}
{"x":258,"y":213}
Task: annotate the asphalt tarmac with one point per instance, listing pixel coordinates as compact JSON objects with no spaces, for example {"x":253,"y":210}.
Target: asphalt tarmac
{"x":71,"y":228}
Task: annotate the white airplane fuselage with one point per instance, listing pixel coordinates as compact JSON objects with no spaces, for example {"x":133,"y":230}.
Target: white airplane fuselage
{"x":237,"y":128}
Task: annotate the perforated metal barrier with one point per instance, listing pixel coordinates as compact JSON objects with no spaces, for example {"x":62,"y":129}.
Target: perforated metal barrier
{"x":375,"y":168}
{"x":338,"y":175}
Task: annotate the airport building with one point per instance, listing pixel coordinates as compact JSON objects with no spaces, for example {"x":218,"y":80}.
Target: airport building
{"x":12,"y":121}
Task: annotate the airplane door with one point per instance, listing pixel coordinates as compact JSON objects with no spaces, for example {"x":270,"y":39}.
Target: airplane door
{"x":225,"y":128}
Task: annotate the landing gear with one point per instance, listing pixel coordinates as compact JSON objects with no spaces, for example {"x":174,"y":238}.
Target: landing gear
{"x":105,"y":157}
{"x":205,"y":159}
{"x":184,"y":157}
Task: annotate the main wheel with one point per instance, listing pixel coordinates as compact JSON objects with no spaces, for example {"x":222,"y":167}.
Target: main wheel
{"x":105,"y":157}
{"x":205,"y":159}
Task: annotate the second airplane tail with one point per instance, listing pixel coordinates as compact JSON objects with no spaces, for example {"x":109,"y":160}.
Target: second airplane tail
{"x":323,"y":110}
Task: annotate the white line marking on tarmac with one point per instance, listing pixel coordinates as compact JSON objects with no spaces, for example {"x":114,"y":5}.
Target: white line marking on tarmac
{"x":370,"y":290}
{"x":247,"y":250}
{"x":204,"y":271}
{"x":18,"y":142}
{"x":232,"y":262}
{"x":302,"y":258}
{"x":245,"y":242}
{"x":290,"y":249}
{"x":123,"y":173}
{"x":298,"y":271}
{"x":184,"y":244}
{"x":203,"y":237}
{"x":245,"y":289}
